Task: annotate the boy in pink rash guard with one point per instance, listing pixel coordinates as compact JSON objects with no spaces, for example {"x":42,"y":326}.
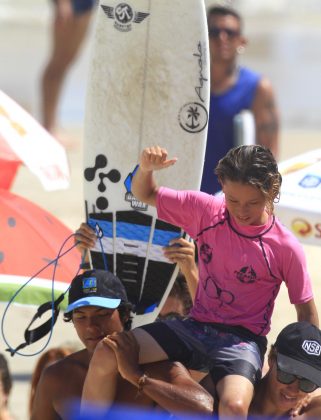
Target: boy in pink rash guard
{"x":244,"y":255}
{"x":241,"y":268}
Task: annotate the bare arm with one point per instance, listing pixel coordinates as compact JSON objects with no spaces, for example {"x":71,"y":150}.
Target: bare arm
{"x":168,"y":384}
{"x":184,"y":256}
{"x":43,"y":407}
{"x":143,"y":185}
{"x":266,"y":117}
{"x":308,"y":312}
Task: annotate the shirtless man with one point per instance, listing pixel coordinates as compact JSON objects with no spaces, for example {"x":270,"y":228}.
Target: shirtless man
{"x":98,"y":306}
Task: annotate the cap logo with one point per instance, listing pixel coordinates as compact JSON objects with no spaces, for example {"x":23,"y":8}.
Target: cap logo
{"x":311,"y":347}
{"x":89,"y":285}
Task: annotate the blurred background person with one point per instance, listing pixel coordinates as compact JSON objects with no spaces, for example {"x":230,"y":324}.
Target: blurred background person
{"x":70,"y":25}
{"x":5,"y":389}
{"x":47,"y":358}
{"x":234,"y":88}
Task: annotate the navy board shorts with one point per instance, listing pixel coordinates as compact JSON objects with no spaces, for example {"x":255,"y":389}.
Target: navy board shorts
{"x":218,"y":349}
{"x":82,"y":6}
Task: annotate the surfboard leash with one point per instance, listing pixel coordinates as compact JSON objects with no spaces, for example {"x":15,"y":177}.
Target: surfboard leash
{"x":31,"y":336}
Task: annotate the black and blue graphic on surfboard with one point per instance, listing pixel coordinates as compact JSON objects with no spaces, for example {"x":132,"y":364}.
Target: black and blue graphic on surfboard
{"x":132,"y":249}
{"x":134,"y":203}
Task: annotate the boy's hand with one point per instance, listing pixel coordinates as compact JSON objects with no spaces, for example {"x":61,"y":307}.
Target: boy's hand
{"x":85,"y":237}
{"x":182,"y":252}
{"x":155,"y":158}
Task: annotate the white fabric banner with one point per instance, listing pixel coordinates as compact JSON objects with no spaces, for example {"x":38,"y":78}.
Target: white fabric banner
{"x":33,"y":145}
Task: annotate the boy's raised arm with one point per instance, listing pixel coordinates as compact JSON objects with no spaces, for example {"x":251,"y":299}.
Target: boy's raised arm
{"x":144,"y":186}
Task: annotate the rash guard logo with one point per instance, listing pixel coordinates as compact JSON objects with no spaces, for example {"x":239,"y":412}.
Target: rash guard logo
{"x":206,"y":253}
{"x":246,"y":275}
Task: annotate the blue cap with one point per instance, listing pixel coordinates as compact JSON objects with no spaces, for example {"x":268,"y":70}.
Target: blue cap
{"x":96,"y":288}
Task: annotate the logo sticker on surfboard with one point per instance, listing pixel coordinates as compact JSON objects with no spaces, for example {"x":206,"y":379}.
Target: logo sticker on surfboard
{"x":193,"y":117}
{"x":123,"y":16}
{"x":90,"y":175}
{"x":134,"y":203}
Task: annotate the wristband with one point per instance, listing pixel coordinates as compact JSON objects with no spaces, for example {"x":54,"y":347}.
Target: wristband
{"x":141,"y":383}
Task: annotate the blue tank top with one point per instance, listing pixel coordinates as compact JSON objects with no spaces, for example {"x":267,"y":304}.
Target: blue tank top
{"x":220,"y":137}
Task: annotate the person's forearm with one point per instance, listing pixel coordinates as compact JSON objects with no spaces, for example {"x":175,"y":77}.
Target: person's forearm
{"x":144,"y":187}
{"x":308,"y":312}
{"x":178,"y":398}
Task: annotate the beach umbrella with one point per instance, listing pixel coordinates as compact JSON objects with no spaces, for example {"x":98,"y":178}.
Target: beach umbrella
{"x":300,"y":205}
{"x":23,"y":139}
{"x":31,"y":238}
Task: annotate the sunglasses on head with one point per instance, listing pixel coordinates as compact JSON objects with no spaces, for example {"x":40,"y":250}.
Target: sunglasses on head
{"x":288,"y":378}
{"x":216,"y":32}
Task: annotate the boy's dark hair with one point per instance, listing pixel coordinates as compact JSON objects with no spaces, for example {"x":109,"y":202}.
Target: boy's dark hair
{"x":5,"y":375}
{"x":224,"y":11}
{"x":124,"y":310}
{"x":253,"y":165}
{"x":180,"y":291}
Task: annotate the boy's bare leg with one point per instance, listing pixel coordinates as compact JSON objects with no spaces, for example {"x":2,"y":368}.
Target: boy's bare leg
{"x":101,"y":379}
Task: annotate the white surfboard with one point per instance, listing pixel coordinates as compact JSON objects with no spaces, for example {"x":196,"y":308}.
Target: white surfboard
{"x":148,"y":84}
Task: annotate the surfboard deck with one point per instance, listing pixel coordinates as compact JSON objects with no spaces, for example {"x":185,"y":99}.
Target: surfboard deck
{"x":148,"y":84}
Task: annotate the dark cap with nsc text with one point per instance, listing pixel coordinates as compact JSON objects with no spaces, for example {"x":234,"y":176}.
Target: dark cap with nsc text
{"x":299,"y":351}
{"x":96,"y":288}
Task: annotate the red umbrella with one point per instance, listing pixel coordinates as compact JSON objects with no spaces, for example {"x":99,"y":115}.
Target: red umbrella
{"x":30,"y":238}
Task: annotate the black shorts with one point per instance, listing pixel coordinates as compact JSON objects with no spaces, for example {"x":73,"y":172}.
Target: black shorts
{"x":208,"y":348}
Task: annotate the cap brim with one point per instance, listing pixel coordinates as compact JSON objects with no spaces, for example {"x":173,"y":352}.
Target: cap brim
{"x":295,"y":367}
{"x":94,"y":301}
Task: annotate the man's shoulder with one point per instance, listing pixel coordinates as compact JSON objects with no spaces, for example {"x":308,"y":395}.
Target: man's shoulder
{"x":249,"y":77}
{"x":77,"y":361}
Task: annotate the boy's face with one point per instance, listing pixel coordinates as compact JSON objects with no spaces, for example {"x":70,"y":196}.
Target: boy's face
{"x":245,"y":203}
{"x":284,"y":397}
{"x":93,"y":323}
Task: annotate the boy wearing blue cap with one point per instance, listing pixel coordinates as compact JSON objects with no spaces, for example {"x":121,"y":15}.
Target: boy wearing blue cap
{"x":98,"y":306}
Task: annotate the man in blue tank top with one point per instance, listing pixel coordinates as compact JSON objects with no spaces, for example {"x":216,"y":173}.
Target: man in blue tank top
{"x":233,"y":89}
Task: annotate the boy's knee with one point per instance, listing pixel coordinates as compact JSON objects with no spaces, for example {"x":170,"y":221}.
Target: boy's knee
{"x":233,"y":407}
